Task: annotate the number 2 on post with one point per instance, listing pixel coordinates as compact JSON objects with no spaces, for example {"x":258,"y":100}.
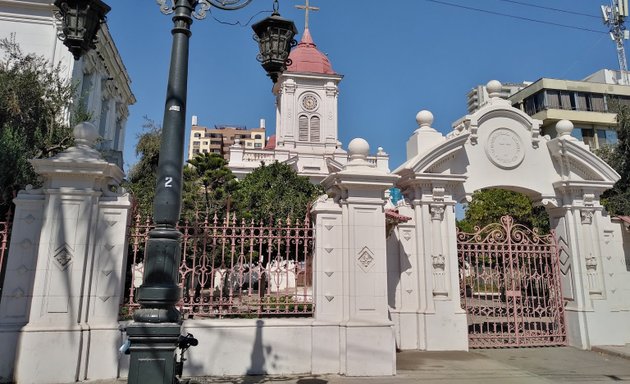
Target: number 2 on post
{"x":168,"y":182}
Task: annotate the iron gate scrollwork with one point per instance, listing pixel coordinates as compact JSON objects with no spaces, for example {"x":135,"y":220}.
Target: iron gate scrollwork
{"x":510,"y":286}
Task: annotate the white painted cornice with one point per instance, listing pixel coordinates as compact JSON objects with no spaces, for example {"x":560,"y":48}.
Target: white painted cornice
{"x":108,"y":53}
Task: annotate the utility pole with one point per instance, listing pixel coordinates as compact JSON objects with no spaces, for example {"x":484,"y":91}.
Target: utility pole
{"x":614,"y":16}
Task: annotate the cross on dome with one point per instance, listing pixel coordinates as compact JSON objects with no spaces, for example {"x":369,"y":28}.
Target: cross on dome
{"x":306,"y":57}
{"x":306,"y":7}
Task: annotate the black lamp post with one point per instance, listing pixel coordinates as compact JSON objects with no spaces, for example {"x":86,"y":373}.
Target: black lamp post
{"x":157,"y":324}
{"x":80,"y":20}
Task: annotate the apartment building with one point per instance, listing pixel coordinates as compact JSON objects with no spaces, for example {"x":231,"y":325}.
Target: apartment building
{"x":588,"y":103}
{"x":220,"y":138}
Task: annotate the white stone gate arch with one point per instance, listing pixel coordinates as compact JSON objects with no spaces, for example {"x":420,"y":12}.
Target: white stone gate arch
{"x":500,"y":146}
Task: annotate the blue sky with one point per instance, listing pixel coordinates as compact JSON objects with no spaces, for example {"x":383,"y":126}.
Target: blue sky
{"x":397,"y":57}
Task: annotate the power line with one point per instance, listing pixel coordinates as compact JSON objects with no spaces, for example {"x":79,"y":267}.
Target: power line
{"x":551,"y":9}
{"x":238,"y":23}
{"x":515,"y":17}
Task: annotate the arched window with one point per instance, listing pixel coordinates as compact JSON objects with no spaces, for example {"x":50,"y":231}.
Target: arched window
{"x":309,"y":129}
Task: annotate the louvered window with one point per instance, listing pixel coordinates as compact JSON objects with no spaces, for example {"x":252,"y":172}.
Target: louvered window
{"x":303,"y":128}
{"x":315,"y":130}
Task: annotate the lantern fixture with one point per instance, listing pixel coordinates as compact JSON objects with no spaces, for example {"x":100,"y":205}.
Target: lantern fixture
{"x":275,"y":40}
{"x":81,"y":20}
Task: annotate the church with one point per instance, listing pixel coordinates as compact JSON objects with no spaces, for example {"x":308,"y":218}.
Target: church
{"x":306,"y":119}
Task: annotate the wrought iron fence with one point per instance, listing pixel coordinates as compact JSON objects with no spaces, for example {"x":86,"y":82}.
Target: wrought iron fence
{"x":234,"y":267}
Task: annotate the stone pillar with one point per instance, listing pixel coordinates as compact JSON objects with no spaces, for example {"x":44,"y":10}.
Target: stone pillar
{"x":440,"y":322}
{"x":69,"y":286}
{"x":403,"y":281}
{"x":20,"y":272}
{"x":327,"y":285}
{"x":580,"y":225}
{"x":355,"y":294}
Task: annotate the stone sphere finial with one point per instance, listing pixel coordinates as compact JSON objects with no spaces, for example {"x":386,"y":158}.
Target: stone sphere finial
{"x":424,"y":118}
{"x":564,"y":128}
{"x":358,"y":149}
{"x":494,"y":88}
{"x":85,"y":133}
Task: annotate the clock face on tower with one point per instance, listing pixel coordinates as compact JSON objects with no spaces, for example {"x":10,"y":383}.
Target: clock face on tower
{"x":309,"y":102}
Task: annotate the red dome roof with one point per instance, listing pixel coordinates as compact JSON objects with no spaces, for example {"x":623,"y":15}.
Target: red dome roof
{"x":307,"y":58}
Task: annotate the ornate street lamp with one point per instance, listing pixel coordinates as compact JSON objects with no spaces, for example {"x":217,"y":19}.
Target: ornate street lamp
{"x":156,"y":329}
{"x":275,"y":40}
{"x":80,"y":20}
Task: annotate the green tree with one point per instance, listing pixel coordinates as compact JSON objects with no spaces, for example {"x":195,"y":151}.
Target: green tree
{"x":142,"y":177}
{"x":34,"y":104}
{"x":209,"y":185}
{"x":275,"y":191}
{"x":488,"y":205}
{"x":617,"y":199}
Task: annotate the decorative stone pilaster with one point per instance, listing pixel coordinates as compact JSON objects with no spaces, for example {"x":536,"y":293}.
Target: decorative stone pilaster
{"x":358,"y":194}
{"x":74,"y":279}
{"x":438,"y":261}
{"x":428,"y":184}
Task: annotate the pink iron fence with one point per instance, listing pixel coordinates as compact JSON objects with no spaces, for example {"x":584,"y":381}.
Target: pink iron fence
{"x":234,"y":268}
{"x":510,"y":286}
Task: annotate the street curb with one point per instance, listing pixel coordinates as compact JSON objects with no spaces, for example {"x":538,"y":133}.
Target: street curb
{"x":609,"y":352}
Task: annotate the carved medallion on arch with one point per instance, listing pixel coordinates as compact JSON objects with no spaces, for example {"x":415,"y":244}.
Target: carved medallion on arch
{"x":505,"y":149}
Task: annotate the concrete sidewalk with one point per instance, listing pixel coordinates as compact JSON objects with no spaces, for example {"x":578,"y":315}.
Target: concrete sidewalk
{"x":622,"y":351}
{"x":522,"y":365}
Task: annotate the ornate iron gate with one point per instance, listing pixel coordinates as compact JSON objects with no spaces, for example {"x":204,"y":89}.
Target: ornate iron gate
{"x":510,"y":286}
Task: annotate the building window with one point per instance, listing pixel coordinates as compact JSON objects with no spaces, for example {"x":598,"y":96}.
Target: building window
{"x":303,"y":128}
{"x":258,"y":137}
{"x":535,"y":103}
{"x":588,"y":136}
{"x":596,"y":138}
{"x":598,"y":103}
{"x":315,"y":130}
{"x":196,"y":143}
{"x":197,"y":135}
{"x":195,"y":151}
{"x":257,"y":145}
{"x":606,"y":137}
{"x":309,"y":128}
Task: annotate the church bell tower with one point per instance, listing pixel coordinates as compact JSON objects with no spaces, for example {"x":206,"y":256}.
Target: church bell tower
{"x":306,"y":104}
